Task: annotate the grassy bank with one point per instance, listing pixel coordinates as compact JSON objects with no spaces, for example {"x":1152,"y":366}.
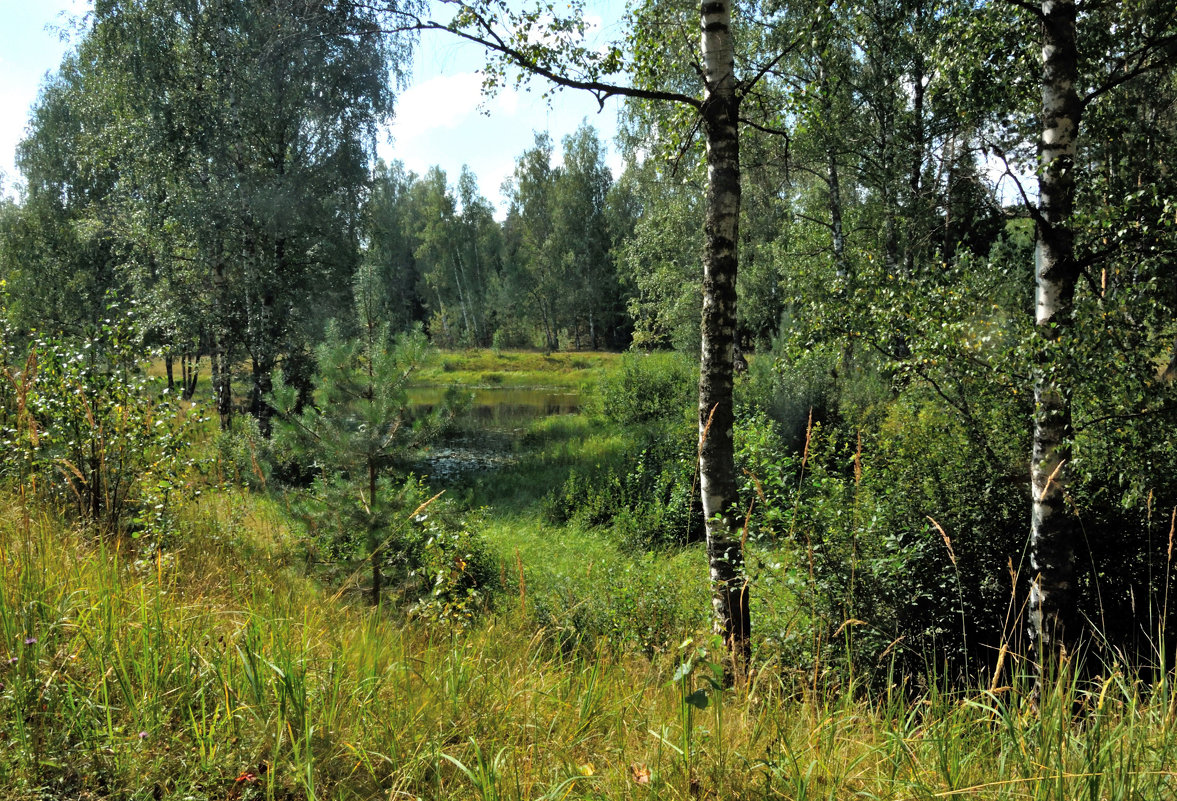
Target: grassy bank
{"x":216,"y":671}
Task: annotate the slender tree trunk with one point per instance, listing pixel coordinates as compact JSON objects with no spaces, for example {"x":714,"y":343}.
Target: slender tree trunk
{"x":263,"y":385}
{"x":265,"y":333}
{"x":169,"y":364}
{"x":949,"y":180}
{"x":717,"y":473}
{"x":191,"y":370}
{"x":221,"y":355}
{"x":837,"y":233}
{"x":915,"y":213}
{"x":462,"y":301}
{"x":1053,"y":532}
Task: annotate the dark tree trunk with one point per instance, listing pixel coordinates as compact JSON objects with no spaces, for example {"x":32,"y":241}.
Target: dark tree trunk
{"x":837,"y":234}
{"x":1053,"y":531}
{"x":916,"y":216}
{"x":717,"y":472}
{"x":189,"y":372}
{"x":222,"y":385}
{"x":263,"y":385}
{"x":375,"y":555}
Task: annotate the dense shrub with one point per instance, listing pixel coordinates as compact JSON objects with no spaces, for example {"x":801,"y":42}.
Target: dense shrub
{"x":430,"y":554}
{"x":647,"y":495}
{"x":647,"y":388}
{"x":244,"y":457}
{"x":902,"y":532}
{"x":455,"y":569}
{"x":85,"y":426}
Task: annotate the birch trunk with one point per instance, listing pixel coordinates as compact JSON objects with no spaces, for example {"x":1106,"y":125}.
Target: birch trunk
{"x":717,"y":474}
{"x":221,"y":351}
{"x":1053,"y":532}
{"x":917,"y":215}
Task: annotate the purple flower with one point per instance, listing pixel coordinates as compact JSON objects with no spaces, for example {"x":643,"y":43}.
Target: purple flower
{"x":142,"y":735}
{"x":30,"y":640}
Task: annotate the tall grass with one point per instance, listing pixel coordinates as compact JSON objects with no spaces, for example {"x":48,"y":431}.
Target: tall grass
{"x":216,"y":671}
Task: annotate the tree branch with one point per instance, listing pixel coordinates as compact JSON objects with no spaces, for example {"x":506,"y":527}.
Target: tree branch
{"x":492,"y":41}
{"x":1026,"y":6}
{"x":1165,"y":50}
{"x":746,"y":86}
{"x":1031,"y":207}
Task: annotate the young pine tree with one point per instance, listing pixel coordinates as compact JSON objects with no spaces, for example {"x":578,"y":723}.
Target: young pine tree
{"x":357,"y":431}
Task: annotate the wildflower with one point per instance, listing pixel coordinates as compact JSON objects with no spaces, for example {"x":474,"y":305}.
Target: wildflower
{"x":30,"y":641}
{"x":142,"y":735}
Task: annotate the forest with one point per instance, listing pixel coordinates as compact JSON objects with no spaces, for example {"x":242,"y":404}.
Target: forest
{"x":825,"y":451}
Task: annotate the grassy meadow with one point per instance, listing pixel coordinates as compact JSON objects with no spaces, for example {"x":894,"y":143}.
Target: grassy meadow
{"x":219,"y":662}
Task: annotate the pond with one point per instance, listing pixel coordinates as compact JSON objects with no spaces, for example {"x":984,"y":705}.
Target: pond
{"x":488,"y":429}
{"x":503,"y":409}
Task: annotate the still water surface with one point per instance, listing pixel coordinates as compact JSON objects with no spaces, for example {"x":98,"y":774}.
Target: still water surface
{"x":504,"y":408}
{"x":497,"y":415}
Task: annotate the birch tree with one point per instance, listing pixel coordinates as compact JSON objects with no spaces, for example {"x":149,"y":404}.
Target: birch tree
{"x":1053,"y":531}
{"x":1142,"y":48}
{"x":535,"y":43}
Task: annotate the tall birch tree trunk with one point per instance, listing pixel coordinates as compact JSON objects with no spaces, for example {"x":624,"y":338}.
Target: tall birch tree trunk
{"x":1053,"y":532}
{"x":717,"y":473}
{"x":221,"y":351}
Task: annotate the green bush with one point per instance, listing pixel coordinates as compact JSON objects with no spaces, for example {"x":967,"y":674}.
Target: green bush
{"x":244,"y":457}
{"x":647,"y":495}
{"x":646,"y":492}
{"x":456,"y":569}
{"x":86,"y":427}
{"x":899,"y":528}
{"x":430,"y":554}
{"x":647,"y":388}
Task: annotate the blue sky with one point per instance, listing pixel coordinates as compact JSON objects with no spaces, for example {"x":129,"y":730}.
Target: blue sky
{"x":442,"y":118}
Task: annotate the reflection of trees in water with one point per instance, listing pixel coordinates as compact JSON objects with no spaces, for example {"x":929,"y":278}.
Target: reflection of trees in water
{"x":452,"y":463}
{"x":504,"y":408}
{"x":487,"y":431}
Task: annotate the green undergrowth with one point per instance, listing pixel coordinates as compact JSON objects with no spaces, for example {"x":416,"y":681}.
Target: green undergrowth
{"x":214,"y":658}
{"x":545,"y":454}
{"x":214,"y":670}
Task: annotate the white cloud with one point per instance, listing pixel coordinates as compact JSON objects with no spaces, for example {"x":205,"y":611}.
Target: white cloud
{"x":443,"y":101}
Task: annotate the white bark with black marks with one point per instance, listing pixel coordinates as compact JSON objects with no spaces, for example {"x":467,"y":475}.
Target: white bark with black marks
{"x":1054,"y":531}
{"x":717,"y":474}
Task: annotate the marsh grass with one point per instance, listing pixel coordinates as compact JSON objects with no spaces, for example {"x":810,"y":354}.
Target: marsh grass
{"x":514,"y":368}
{"x":215,"y":671}
{"x":546,"y":454}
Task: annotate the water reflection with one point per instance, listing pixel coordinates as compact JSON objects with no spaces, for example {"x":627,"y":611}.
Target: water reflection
{"x":487,"y":431}
{"x":504,"y":408}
